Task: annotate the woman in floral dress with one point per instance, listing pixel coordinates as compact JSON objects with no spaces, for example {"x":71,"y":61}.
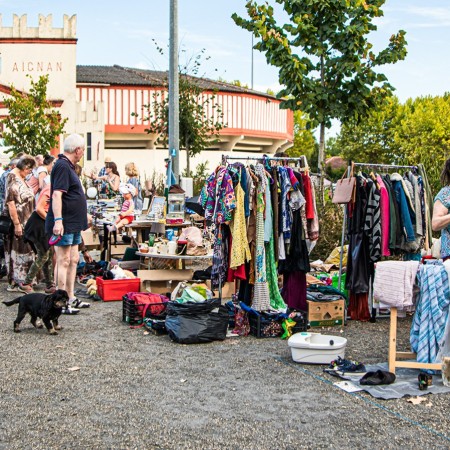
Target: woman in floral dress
{"x":441,"y":211}
{"x":19,"y":205}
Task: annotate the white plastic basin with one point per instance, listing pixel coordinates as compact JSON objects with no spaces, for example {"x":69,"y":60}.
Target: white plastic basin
{"x":316,"y":348}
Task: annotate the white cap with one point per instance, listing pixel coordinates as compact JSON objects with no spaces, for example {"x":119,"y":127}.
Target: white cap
{"x":127,"y":188}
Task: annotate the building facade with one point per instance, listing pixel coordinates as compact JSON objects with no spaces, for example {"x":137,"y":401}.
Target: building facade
{"x":99,"y":100}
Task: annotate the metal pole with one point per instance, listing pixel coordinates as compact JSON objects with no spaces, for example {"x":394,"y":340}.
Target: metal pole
{"x":174,"y":106}
{"x":252,"y":65}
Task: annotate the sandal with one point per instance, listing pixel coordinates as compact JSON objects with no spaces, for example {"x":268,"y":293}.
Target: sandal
{"x":75,"y":303}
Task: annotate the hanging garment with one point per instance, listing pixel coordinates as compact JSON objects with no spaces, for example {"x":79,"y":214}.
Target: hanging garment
{"x":275,"y":199}
{"x":294,"y":290}
{"x":358,"y":307}
{"x":261,"y":297}
{"x":385,"y":217}
{"x":417,"y":202}
{"x":285,"y":218}
{"x":309,"y":209}
{"x":429,"y":323}
{"x":276,"y":300}
{"x":395,"y":230}
{"x":240,"y":250}
{"x":313,"y":224}
{"x":428,"y":199}
{"x":220,"y":256}
{"x":372,"y":226}
{"x":406,"y":213}
{"x":268,"y":217}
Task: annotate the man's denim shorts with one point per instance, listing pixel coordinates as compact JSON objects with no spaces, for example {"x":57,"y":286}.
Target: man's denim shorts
{"x":69,"y":239}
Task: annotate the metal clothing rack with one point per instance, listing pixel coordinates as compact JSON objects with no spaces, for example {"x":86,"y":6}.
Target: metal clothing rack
{"x":344,"y":224}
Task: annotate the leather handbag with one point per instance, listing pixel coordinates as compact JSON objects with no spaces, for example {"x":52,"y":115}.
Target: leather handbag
{"x":345,"y":189}
{"x":6,"y":224}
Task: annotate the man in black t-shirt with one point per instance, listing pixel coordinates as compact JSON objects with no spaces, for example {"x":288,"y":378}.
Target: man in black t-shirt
{"x":67,"y":217}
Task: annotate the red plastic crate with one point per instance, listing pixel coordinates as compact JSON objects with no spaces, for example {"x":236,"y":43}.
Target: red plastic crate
{"x":114,"y":290}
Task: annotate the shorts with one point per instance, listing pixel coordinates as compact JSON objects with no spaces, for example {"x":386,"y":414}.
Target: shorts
{"x":129,"y":219}
{"x":69,"y":239}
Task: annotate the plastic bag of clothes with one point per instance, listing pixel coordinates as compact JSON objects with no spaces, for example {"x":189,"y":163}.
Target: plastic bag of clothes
{"x":196,"y":323}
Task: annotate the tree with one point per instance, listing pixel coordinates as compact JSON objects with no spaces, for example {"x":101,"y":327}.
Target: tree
{"x":334,"y":76}
{"x":304,"y":141}
{"x":33,"y":126}
{"x":411,"y":133}
{"x":200,"y":117}
{"x":373,"y":139}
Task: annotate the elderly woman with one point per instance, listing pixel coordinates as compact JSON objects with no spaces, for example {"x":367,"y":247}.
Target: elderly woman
{"x":19,"y":205}
{"x":441,"y":211}
{"x":132,"y":173}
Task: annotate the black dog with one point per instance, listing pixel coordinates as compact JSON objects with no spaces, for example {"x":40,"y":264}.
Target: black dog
{"x":47,"y":307}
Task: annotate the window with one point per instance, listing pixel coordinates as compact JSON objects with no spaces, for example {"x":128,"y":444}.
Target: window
{"x":89,"y":147}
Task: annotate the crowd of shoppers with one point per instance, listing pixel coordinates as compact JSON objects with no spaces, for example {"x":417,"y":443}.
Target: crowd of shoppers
{"x":44,"y":198}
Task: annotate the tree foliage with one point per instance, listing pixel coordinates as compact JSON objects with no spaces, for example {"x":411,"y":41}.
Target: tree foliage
{"x":411,"y":133}
{"x":326,"y":64}
{"x":33,"y":126}
{"x":200,"y":116}
{"x":305,"y":142}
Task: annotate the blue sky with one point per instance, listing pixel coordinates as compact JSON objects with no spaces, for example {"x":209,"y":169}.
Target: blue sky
{"x":116,"y":32}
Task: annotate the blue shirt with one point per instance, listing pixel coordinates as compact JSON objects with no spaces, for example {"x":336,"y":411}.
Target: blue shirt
{"x":444,"y":197}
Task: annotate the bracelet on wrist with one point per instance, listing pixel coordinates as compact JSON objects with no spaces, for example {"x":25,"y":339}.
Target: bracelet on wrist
{"x":57,"y":218}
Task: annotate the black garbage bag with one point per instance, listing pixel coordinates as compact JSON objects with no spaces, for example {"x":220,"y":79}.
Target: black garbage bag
{"x":197,"y":323}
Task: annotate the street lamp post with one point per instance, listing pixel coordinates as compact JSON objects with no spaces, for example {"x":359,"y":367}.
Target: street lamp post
{"x":174,"y":106}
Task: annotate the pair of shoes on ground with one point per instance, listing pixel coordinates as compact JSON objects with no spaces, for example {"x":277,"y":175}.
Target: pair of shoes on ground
{"x":28,"y":288}
{"x":346,"y":365}
{"x":74,"y":306}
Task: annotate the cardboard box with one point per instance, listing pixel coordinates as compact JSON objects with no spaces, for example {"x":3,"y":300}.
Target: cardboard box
{"x":326,"y":314}
{"x":114,"y":290}
{"x":227,"y":289}
{"x":91,"y":240}
{"x":162,"y":281}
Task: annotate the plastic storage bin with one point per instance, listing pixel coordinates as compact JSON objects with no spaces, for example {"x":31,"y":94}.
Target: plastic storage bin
{"x":316,"y":348}
{"x":112,"y":290}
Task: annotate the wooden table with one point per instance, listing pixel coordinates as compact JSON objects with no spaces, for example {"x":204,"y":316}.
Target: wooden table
{"x":150,"y":264}
{"x":143,"y":226}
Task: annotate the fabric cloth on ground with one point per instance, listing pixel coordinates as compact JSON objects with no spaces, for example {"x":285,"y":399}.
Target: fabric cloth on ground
{"x":406,"y":383}
{"x":430,"y":319}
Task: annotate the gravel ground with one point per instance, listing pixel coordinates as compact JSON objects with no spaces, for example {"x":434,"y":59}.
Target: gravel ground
{"x":134,"y":390}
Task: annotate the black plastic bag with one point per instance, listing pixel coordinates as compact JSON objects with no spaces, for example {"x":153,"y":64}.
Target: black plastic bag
{"x":196,"y":323}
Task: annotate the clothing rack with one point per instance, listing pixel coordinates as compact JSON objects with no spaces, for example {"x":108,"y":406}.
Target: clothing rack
{"x":344,"y":224}
{"x":273,"y":158}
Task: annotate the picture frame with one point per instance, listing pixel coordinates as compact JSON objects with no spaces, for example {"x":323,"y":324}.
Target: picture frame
{"x":157,"y":208}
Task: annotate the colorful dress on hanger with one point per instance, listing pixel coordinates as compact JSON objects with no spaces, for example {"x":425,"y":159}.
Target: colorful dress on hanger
{"x":444,"y":197}
{"x":261,"y":296}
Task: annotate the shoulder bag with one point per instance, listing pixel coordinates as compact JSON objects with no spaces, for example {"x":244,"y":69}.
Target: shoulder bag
{"x":345,"y":188}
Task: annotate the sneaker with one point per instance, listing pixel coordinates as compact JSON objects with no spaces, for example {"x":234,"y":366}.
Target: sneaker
{"x":50,"y":289}
{"x":25,"y":288}
{"x":70,"y":310}
{"x":12,"y":288}
{"x":79,"y":304}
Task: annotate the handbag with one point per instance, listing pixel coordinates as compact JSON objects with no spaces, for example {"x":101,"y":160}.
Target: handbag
{"x":6,"y":224}
{"x":345,"y":189}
